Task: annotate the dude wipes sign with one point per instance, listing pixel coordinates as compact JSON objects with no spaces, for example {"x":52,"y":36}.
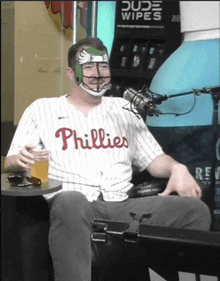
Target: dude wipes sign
{"x":147,"y":14}
{"x":141,"y":10}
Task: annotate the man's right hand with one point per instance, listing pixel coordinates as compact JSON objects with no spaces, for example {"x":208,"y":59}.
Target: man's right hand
{"x":23,"y":161}
{"x":25,"y":158}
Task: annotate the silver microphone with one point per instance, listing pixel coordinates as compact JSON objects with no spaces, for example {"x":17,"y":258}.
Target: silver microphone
{"x":136,"y":98}
{"x":141,"y":102}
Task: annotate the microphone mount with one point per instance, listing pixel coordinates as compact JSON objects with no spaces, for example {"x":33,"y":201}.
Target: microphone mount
{"x":144,"y":101}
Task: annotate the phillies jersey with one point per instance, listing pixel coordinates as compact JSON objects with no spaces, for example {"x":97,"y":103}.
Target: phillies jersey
{"x":90,"y":153}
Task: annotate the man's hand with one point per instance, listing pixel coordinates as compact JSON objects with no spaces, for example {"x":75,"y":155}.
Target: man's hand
{"x":182,"y":182}
{"x":25,"y":158}
{"x":180,"y":179}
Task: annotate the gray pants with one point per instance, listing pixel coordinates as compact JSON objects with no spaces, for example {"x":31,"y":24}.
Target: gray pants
{"x":71,"y":215}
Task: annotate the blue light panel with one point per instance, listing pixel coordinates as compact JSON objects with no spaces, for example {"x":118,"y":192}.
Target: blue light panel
{"x":106,"y":22}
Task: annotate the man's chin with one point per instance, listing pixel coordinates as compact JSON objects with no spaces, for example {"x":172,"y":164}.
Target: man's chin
{"x":95,"y":92}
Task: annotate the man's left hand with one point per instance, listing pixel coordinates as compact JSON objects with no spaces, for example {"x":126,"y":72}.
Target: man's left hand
{"x":182,"y":182}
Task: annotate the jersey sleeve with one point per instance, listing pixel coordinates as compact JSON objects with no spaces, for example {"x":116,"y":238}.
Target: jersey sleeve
{"x":26,"y":132}
{"x":146,"y":146}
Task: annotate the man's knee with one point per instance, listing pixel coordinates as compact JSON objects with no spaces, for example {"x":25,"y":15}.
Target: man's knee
{"x":181,"y":212}
{"x":194,"y":213}
{"x":67,"y":203}
{"x":200,"y":214}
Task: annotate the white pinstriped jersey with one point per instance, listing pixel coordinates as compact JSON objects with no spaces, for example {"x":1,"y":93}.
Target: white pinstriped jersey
{"x":89,"y":153}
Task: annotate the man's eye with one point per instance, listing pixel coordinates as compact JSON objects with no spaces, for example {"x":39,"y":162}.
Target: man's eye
{"x":104,"y":66}
{"x":87,"y":67}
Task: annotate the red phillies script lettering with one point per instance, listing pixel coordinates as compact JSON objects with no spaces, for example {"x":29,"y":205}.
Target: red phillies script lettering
{"x":98,"y":139}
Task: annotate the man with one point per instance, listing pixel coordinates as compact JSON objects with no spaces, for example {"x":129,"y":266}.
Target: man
{"x":93,"y":144}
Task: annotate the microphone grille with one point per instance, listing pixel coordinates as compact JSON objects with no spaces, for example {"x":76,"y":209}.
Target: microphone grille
{"x":129,"y":94}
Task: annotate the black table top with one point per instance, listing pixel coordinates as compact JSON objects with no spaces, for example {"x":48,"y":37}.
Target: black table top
{"x":8,"y":190}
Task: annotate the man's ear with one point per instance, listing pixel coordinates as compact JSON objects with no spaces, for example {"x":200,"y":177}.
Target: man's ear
{"x":70,"y":73}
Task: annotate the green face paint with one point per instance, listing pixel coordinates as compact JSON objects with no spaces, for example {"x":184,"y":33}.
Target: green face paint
{"x":90,"y":55}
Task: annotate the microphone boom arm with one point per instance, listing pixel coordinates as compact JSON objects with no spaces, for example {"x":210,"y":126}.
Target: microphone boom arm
{"x":144,"y":101}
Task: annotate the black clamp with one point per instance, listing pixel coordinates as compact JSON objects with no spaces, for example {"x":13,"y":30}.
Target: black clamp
{"x":131,"y":234}
{"x":128,"y":232}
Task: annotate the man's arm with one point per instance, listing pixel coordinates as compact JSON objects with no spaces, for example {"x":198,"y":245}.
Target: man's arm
{"x":21,"y":155}
{"x":25,"y":159}
{"x":180,"y":179}
{"x":20,"y":162}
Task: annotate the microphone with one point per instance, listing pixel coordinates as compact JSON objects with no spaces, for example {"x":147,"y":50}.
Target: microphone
{"x":136,"y":98}
{"x":143,"y":103}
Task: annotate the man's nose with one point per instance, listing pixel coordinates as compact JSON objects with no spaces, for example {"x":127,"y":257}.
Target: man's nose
{"x":95,"y":71}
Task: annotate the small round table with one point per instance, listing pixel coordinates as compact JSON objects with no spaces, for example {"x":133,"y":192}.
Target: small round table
{"x":45,"y":187}
{"x":25,"y":228}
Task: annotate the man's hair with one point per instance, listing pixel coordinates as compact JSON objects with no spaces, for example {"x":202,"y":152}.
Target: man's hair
{"x":86,"y":42}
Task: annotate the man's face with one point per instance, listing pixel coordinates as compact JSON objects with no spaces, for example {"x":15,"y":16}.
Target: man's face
{"x":96,"y":75}
{"x":92,"y":71}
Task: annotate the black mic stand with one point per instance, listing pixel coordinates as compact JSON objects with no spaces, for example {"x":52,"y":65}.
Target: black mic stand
{"x":215,"y":93}
{"x":216,"y":99}
{"x":151,"y":110}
